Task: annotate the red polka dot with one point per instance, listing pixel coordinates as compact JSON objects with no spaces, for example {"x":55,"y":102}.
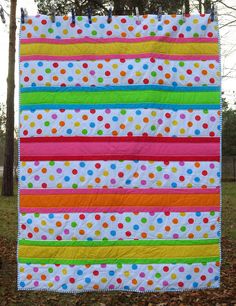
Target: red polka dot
{"x":59,"y":237}
{"x":26,"y":79}
{"x":198,"y":118}
{"x":205,"y":125}
{"x":203,"y":277}
{"x":212,"y":134}
{"x":205,"y":220}
{"x":92,"y":111}
{"x":71,"y":280}
{"x":168,"y":115}
{"x":181,"y":178}
{"x":23,"y":226}
{"x":97,"y":165}
{"x":190,"y":220}
{"x":145,"y":27}
{"x":100,"y":118}
{"x":189,"y":71}
{"x":107,"y":73}
{"x":119,"y":280}
{"x":96,"y":273}
{"x":174,"y":28}
{"x":165,"y":269}
{"x":181,"y":35}
{"x":25,"y":132}
{"x":109,"y":33}
{"x":85,"y":65}
{"x":107,"y":126}
{"x":120,"y":225}
{"x":55,"y":65}
{"x":97,"y":217}
{"x":130,"y":81}
{"x":160,"y":68}
{"x":44,"y":21}
{"x":120,"y":174}
{"x":74,"y":171}
{"x":39,"y":131}
{"x":79,"y":31}
{"x":128,"y":233}
{"x":145,"y":81}
{"x":209,"y":34}
{"x":44,"y":185}
{"x":180,"y":284}
{"x":30,"y":235}
{"x":40,"y":77}
{"x":212,"y":80}
{"x":204,"y":172}
{"x":123,"y":20}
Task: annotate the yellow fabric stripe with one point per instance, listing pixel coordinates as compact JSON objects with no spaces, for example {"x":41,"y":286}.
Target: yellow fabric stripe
{"x":80,"y":253}
{"x":119,"y":48}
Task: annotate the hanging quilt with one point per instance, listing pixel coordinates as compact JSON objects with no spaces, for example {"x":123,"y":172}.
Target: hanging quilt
{"x":119,"y":154}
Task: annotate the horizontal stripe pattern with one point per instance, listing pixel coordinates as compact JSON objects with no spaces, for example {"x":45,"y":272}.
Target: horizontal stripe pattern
{"x":112,"y":201}
{"x":90,"y":149}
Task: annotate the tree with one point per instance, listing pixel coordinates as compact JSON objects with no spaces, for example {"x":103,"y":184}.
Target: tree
{"x":228,"y":130}
{"x":7,"y":185}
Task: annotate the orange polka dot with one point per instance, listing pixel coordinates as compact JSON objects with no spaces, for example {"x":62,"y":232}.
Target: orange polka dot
{"x":145,"y":119}
{"x":160,"y":81}
{"x":114,"y":133}
{"x":122,"y":126}
{"x":190,"y":124}
{"x":81,"y":232}
{"x":100,"y":66}
{"x":54,"y":131}
{"x":196,"y":269}
{"x":190,"y":236}
{"x":66,"y":216}
{"x":211,"y":66}
{"x":29,"y":170}
{"x":167,"y":75}
{"x":213,"y":227}
{"x":144,"y":235}
{"x":96,"y":287}
{"x":36,"y":229}
{"x":204,"y":72}
{"x":167,"y":129}
{"x":113,"y":218}
{"x":29,"y":276}
{"x":55,"y":78}
{"x":134,"y":281}
{"x":122,"y":73}
{"x":23,"y":28}
{"x":115,"y":80}
{"x":189,"y":84}
{"x":85,"y":79}
{"x":65,"y":17}
{"x":105,"y":225}
{"x":175,"y":221}
{"x":197,"y":165}
{"x":29,"y":35}
{"x":62,"y":71}
{"x":85,"y":117}
{"x":61,"y":123}
{"x":150,"y":282}
{"x":135,"y":174}
{"x":130,"y":28}
{"x":58,"y":224}
{"x":97,"y":180}
{"x":167,"y":228}
{"x":123,"y":34}
{"x":39,"y":116}
{"x":43,"y":277}
{"x":151,"y":175}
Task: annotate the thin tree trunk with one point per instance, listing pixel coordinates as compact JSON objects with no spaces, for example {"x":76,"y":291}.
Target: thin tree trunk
{"x":7,"y":185}
{"x":207,"y":6}
{"x":200,"y":6}
{"x":187,"y":6}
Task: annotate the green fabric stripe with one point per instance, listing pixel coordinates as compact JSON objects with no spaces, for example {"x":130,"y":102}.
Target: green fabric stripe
{"x":117,"y":261}
{"x":111,"y":97}
{"x":118,"y":242}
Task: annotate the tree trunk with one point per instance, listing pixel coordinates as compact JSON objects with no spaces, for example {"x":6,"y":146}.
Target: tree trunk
{"x":7,"y":185}
{"x":187,"y":6}
{"x":207,"y":6}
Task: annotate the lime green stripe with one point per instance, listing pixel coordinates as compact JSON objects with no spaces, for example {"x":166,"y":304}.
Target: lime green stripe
{"x":111,"y":97}
{"x":118,"y":242}
{"x":117,"y":261}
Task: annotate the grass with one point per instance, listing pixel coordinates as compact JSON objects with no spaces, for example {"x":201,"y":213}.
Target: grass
{"x":10,"y":296}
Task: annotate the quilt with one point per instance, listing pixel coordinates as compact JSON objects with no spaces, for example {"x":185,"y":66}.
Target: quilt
{"x":120,"y":131}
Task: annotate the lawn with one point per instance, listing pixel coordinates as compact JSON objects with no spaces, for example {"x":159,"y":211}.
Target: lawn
{"x":10,"y":296}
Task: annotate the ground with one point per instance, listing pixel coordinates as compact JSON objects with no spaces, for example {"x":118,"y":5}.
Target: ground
{"x":9,"y":296}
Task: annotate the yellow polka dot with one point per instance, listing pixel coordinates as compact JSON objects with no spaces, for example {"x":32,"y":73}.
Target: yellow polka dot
{"x":153,"y":113}
{"x":173,"y":276}
{"x":97,"y":233}
{"x":23,"y":164}
{"x":77,"y":71}
{"x":51,"y":178}
{"x":103,"y":280}
{"x":126,"y":273}
{"x":43,"y":36}
{"x":105,"y":173}
{"x":77,"y":124}
{"x":138,"y":73}
{"x":22,"y":269}
{"x":50,"y":285}
{"x":174,"y":169}
{"x":198,"y":228}
{"x":33,"y":71}
{"x":89,"y":224}
{"x":116,"y":26}
{"x":36,"y":28}
{"x":150,"y":268}
{"x":212,"y":180}
{"x":174,"y":122}
{"x":26,"y":117}
{"x":195,"y":21}
{"x":159,"y":183}
{"x":69,"y":116}
{"x":115,"y":66}
{"x":166,"y":62}
{"x":205,"y":235}
{"x":65,"y":31}
{"x":182,"y":131}
{"x":159,"y":236}
{"x":182,"y":214}
{"x":138,"y":127}
{"x":196,"y":65}
{"x":59,"y":185}
{"x":189,"y":185}
{"x":48,"y":84}
{"x":130,"y":119}
{"x":94,"y":19}
{"x":152,"y":20}
{"x":64,"y":271}
{"x":151,"y":227}
{"x":128,"y":167}
{"x":43,"y":222}
{"x":80,"y":287}
{"x":82,"y":178}
{"x":32,"y":124}
{"x":51,"y":231}
{"x":67,"y":163}
{"x":182,"y":77}
{"x":138,"y":34}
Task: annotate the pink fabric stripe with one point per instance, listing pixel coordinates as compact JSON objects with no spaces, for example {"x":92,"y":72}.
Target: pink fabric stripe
{"x":119,"y":209}
{"x":121,"y":191}
{"x":119,"y":56}
{"x":104,"y":149}
{"x":117,"y":39}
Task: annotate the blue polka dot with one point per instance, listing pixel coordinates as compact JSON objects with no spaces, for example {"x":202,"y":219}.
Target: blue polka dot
{"x":174,"y":69}
{"x":188,"y":28}
{"x":218,"y":234}
{"x":70,"y":78}
{"x":113,"y":233}
{"x":197,"y":179}
{"x":90,"y":239}
{"x":130,"y":67}
{"x":23,"y":178}
{"x":26,"y":65}
{"x":159,"y":28}
{"x":126,"y":287}
{"x":189,"y":171}
{"x":198,"y":214}
{"x":92,"y":124}
{"x":29,"y":221}
{"x":67,"y":178}
{"x":136,"y":227}
{"x":159,"y":220}
{"x":145,"y":66}
{"x":40,"y":64}
{"x":58,"y":24}
{"x":113,"y":166}
{"x":111,"y":273}
{"x":174,"y":84}
{"x":22,"y":284}
{"x":102,"y":25}
{"x":69,"y":131}
{"x":51,"y":216}
{"x":87,"y":280}
{"x":195,"y":285}
{"x":70,"y":65}
{"x":134,"y":267}
{"x":174,"y":185}
{"x":115,"y":118}
{"x":219,"y":127}
{"x":216,"y":278}
{"x":80,"y":272}
{"x":203,"y":27}
{"x":128,"y":182}
{"x":64,"y":286}
{"x":138,"y":112}
{"x":82,"y":164}
{"x":90,"y":172}
{"x":87,"y":25}
{"x":58,"y":37}
{"x":188,"y":276}
{"x":33,"y":84}
{"x":196,"y":132}
{"x":218,"y":174}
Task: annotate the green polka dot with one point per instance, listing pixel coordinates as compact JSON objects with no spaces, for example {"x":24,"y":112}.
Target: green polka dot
{"x":74,"y":186}
{"x":212,"y":213}
{"x":127,"y":219}
{"x":183,"y":228}
{"x":119,"y":265}
{"x":105,"y":238}
{"x":152,"y":34}
{"x":36,"y":215}
{"x":50,"y":270}
{"x":48,"y":70}
{"x":181,"y":64}
{"x":153,"y":128}
{"x":100,"y":80}
{"x":99,"y":132}
{"x":94,"y":32}
{"x":84,"y":132}
{"x":159,"y":168}
{"x":46,"y":123}
{"x":73,"y":224}
{"x":181,"y":22}
{"x":137,"y":60}
{"x":51,"y":163}
{"x":30,"y":185}
{"x":205,"y":111}
{"x":123,"y":112}
{"x":50,"y":30}
{"x":195,"y":35}
{"x":158,"y":275}
{"x":153,"y":73}
{"x":79,"y":18}
{"x":144,"y":220}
